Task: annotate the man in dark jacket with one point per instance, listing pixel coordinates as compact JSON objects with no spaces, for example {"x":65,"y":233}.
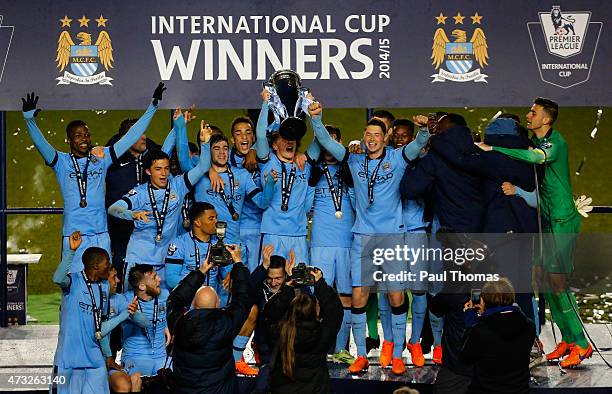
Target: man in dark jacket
{"x":459,"y":207}
{"x":498,"y":342}
{"x":202,"y":355}
{"x":504,"y":214}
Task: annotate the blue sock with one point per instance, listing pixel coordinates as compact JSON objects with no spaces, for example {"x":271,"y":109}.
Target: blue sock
{"x":419,"y":307}
{"x":358,"y":320}
{"x":436,"y":328}
{"x":345,"y":330}
{"x":536,"y":316}
{"x":240,"y":343}
{"x":384,"y":311}
{"x":398,"y":320}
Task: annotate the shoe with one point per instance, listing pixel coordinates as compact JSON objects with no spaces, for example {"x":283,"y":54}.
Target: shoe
{"x":437,"y":355}
{"x":243,"y":368}
{"x":577,"y":354}
{"x":561,"y":350}
{"x":372,"y":343}
{"x":398,"y":367}
{"x":386,"y":354}
{"x":343,"y":356}
{"x":416,"y":353}
{"x":360,"y":365}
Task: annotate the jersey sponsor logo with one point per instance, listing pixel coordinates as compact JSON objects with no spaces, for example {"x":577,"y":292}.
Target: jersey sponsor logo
{"x":380,"y":179}
{"x":6,"y":36}
{"x":564,"y":44}
{"x":455,"y":59}
{"x":85,"y":58}
{"x":171,"y":249}
{"x":91,"y":174}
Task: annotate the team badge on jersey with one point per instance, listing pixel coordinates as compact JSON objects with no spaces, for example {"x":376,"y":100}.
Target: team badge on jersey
{"x":88,"y":61}
{"x":386,"y":166}
{"x":131,"y":192}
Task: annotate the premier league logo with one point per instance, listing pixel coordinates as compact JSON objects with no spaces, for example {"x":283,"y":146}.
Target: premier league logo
{"x":564,"y":44}
{"x":455,"y":60}
{"x":88,"y":61}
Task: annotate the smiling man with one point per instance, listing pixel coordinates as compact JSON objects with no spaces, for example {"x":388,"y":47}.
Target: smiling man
{"x":81,"y":174}
{"x":156,"y":205}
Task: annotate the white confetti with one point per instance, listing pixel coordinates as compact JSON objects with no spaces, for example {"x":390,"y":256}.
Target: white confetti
{"x":30,"y":147}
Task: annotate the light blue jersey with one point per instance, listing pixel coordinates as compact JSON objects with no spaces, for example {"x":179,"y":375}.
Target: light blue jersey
{"x":327,"y":230}
{"x":181,"y":259}
{"x":146,"y":343}
{"x":384,"y":215}
{"x":244,"y":188}
{"x":413,"y":213}
{"x":91,"y":219}
{"x":293,"y":221}
{"x":77,"y":346}
{"x":143,"y":248}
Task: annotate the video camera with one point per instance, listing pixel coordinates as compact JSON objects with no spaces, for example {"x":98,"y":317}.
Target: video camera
{"x":219,"y":256}
{"x":301,"y":275}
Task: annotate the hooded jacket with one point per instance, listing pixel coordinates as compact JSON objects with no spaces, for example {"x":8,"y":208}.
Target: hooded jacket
{"x":498,"y":345}
{"x":457,"y":194}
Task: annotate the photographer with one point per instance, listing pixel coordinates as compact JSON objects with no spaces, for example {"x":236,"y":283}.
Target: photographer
{"x":202,"y":353}
{"x":498,"y":341}
{"x":299,"y":363}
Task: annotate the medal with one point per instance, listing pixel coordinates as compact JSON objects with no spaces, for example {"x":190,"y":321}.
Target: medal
{"x":160,"y":217}
{"x":186,"y":224}
{"x":96,"y":311}
{"x":81,"y":178}
{"x":235,"y":216}
{"x":336,"y":197}
{"x":286,"y":186}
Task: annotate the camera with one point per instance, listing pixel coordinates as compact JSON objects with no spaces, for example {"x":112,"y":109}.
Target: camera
{"x":219,"y":256}
{"x":301,"y":275}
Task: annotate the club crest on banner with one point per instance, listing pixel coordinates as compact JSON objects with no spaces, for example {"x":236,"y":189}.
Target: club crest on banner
{"x":87,"y":61}
{"x":456,"y":57}
{"x":567,"y":50}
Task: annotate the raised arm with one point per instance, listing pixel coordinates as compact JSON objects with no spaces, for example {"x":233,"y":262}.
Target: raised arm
{"x":263,"y":198}
{"x":121,"y":210}
{"x":332,"y":146}
{"x":314,"y":150}
{"x":182,"y":144}
{"x":261,"y":143}
{"x":61,"y":277}
{"x":203,"y":165}
{"x":331,"y":312}
{"x":169,"y":142}
{"x":413,"y":149}
{"x":134,"y":133}
{"x":46,"y":150}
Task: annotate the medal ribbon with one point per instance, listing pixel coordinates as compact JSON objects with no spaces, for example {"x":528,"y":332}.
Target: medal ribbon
{"x":97,"y":312}
{"x":286,"y":185}
{"x":160,"y":217}
{"x":372,"y":179}
{"x":153,"y":324}
{"x":81,"y":177}
{"x":336,"y":198}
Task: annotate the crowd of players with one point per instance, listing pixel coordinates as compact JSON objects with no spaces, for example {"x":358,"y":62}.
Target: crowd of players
{"x":152,"y":211}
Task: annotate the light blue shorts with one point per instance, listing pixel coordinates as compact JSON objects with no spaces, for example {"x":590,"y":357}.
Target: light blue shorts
{"x":336,"y":266}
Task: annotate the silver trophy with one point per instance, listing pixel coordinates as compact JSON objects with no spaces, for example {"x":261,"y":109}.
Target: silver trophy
{"x":288,"y":104}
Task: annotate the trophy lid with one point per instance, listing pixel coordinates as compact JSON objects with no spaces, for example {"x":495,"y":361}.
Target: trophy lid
{"x":290,"y":75}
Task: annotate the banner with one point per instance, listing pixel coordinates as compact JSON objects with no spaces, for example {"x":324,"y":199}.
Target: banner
{"x":216,"y":54}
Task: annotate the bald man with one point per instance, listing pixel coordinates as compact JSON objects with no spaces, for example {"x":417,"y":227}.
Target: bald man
{"x":203,"y":335}
{"x":206,"y":297}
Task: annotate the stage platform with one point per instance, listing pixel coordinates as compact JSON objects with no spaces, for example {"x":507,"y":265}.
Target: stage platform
{"x":29,"y":350}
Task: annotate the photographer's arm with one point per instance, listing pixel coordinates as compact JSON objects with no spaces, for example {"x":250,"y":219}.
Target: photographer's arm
{"x":331,"y":313}
{"x":239,"y":306}
{"x":180,"y":298}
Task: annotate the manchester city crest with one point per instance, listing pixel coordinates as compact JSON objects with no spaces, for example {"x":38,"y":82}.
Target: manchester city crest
{"x":85,"y":62}
{"x":455,"y":60}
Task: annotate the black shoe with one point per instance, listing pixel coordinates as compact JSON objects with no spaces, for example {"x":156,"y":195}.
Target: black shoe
{"x":372,"y":343}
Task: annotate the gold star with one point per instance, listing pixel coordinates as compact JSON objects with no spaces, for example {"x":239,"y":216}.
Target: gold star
{"x":65,"y":21}
{"x":441,"y":19}
{"x":83,"y":21}
{"x":101,"y":21}
{"x":476,"y":18}
{"x":458,"y":18}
